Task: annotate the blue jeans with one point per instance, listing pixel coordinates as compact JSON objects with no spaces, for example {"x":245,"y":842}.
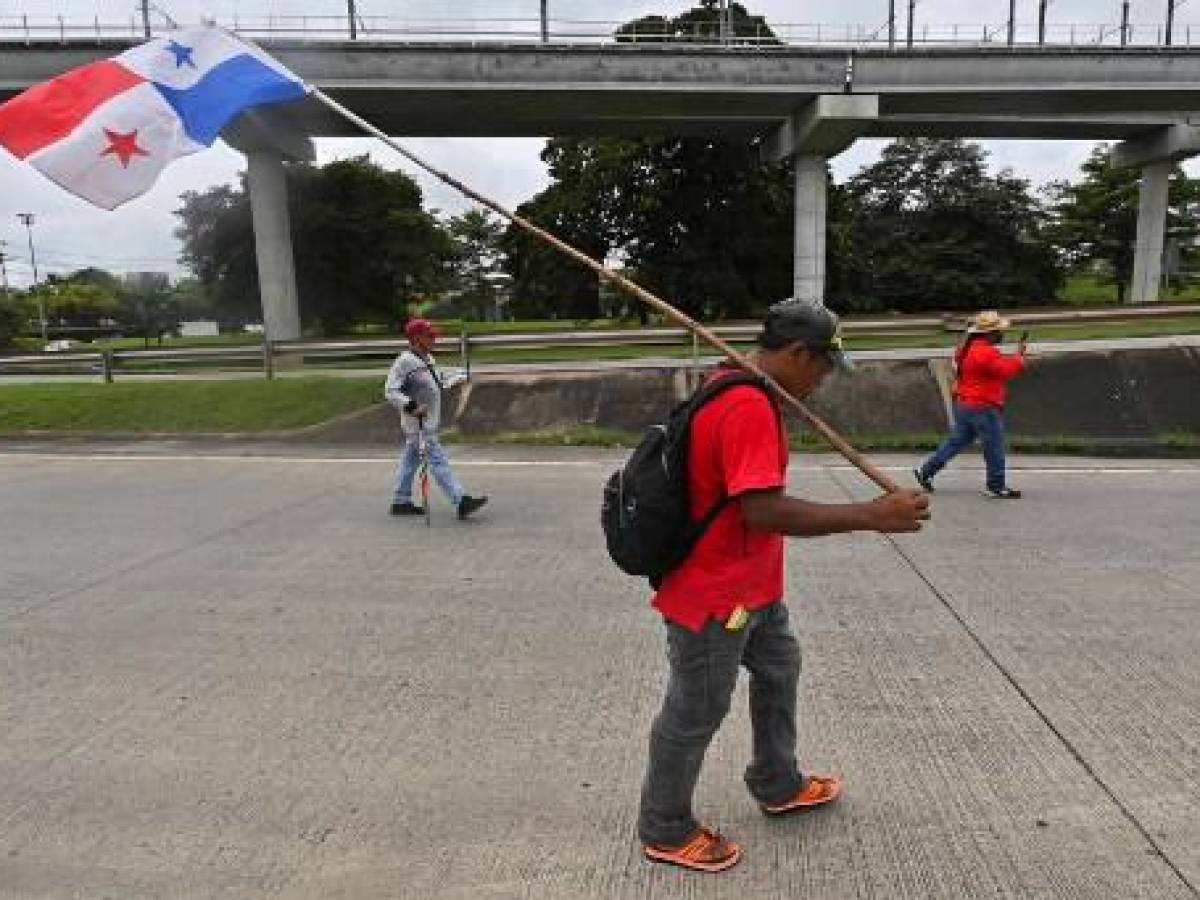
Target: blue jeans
{"x":439,"y":467}
{"x":987,"y":424}
{"x":704,"y":671}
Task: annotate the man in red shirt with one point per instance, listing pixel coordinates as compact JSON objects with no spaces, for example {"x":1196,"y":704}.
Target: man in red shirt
{"x":979,"y":394}
{"x":723,"y":605}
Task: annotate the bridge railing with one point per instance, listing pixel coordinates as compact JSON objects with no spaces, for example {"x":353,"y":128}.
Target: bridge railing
{"x":34,"y":29}
{"x":532,"y":349}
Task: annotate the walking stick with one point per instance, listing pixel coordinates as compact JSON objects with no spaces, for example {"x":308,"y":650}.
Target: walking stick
{"x":423,"y":469}
{"x":860,"y":462}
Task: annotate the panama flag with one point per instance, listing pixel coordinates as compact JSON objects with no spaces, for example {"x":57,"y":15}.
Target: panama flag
{"x":106,"y":130}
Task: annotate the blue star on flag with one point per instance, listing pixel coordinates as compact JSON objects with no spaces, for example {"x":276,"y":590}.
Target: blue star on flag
{"x":182,"y":54}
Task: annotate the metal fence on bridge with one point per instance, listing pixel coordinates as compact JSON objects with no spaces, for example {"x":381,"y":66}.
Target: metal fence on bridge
{"x":31,"y":29}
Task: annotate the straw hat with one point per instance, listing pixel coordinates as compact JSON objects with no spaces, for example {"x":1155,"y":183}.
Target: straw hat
{"x":988,"y":320}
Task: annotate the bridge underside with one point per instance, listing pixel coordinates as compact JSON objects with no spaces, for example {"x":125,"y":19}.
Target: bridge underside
{"x":493,"y":111}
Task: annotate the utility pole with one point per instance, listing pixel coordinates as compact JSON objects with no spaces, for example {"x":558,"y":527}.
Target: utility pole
{"x":352,"y":13}
{"x":3,"y":267}
{"x":545,"y":21}
{"x":27,"y":221}
{"x":146,"y":17}
{"x":1171,"y":4}
{"x":891,"y":24}
{"x":1012,"y":22}
{"x":1125,"y":23}
{"x":912,"y":8}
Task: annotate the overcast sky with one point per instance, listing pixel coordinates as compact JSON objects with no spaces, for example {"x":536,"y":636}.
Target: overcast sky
{"x":70,"y":234}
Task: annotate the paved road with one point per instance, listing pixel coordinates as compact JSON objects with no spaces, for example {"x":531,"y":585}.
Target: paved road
{"x":227,"y":675}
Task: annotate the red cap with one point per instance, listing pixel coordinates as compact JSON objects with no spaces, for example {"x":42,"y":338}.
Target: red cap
{"x":419,"y":328}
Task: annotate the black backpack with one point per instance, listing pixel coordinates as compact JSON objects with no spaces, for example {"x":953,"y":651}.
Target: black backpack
{"x":646,"y":511}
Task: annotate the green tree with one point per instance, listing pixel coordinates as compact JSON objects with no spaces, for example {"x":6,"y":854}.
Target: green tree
{"x":1095,"y":219}
{"x":575,"y":208}
{"x":148,"y":306}
{"x":100,"y":278}
{"x":14,"y":316}
{"x":80,"y":299}
{"x":927,"y":227}
{"x":363,"y":245}
{"x":192,"y":300}
{"x":218,"y":247}
{"x":704,"y":222}
{"x":701,"y":23}
{"x":476,"y":265}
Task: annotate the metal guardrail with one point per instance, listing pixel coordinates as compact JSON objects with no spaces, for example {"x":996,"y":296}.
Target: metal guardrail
{"x":268,"y":356}
{"x":30,"y":29}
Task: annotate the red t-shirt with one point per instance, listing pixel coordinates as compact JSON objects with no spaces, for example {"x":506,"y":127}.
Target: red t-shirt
{"x":982,"y":373}
{"x":737,"y":444}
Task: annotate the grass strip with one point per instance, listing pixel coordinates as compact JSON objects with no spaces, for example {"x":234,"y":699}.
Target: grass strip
{"x":183,"y":407}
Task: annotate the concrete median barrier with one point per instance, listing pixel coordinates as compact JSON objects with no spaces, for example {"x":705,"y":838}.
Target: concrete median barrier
{"x":1139,"y":394}
{"x":1135,"y":396}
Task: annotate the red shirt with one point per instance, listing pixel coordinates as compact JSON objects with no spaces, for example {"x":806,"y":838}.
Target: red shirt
{"x":982,"y":372}
{"x":737,"y":444}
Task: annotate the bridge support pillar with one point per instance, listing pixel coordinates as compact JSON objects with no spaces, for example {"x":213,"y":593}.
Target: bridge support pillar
{"x":824,"y":128}
{"x":269,"y":138}
{"x":273,"y":247}
{"x":1151,"y":231}
{"x":1157,"y":154}
{"x":808,"y":256}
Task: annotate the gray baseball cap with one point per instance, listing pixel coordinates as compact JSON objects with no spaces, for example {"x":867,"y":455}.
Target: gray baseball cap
{"x":811,"y":323}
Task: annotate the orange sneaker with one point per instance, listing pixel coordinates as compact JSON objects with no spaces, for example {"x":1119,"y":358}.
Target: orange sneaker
{"x":817,"y":791}
{"x":704,"y":850}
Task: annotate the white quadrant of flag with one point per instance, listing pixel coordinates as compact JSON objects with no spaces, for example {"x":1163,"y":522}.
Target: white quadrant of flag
{"x":184,"y":57}
{"x":119,"y":150}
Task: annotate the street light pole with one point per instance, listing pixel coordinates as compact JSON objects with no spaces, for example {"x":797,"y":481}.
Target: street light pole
{"x":353,"y":15}
{"x":3,"y":266}
{"x":545,"y":21}
{"x":1042,"y":22}
{"x":1012,"y":22}
{"x":912,"y":8}
{"x":1125,"y":23}
{"x":146,"y":18}
{"x":891,"y":24}
{"x":27,"y":221}
{"x":1171,"y":4}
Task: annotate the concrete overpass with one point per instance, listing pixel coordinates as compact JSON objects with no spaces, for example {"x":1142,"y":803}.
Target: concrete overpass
{"x":805,"y":103}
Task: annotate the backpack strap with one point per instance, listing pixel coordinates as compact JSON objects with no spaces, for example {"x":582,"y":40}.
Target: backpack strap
{"x":710,"y":391}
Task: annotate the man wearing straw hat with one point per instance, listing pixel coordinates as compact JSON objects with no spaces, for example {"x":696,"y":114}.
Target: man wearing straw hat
{"x":979,"y":394}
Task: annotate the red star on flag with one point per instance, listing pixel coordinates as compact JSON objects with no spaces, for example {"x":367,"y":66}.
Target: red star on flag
{"x":123,"y":146}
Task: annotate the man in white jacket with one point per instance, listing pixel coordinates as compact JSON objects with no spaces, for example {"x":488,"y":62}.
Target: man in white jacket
{"x":414,"y":386}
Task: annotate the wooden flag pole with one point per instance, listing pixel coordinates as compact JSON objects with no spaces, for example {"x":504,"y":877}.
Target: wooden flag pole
{"x":834,"y":439}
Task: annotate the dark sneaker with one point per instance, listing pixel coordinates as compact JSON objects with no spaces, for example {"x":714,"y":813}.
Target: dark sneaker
{"x":817,"y":791}
{"x":469,"y":504}
{"x":407,"y":509}
{"x":704,"y":850}
{"x":1004,"y":493}
{"x":924,"y":481}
